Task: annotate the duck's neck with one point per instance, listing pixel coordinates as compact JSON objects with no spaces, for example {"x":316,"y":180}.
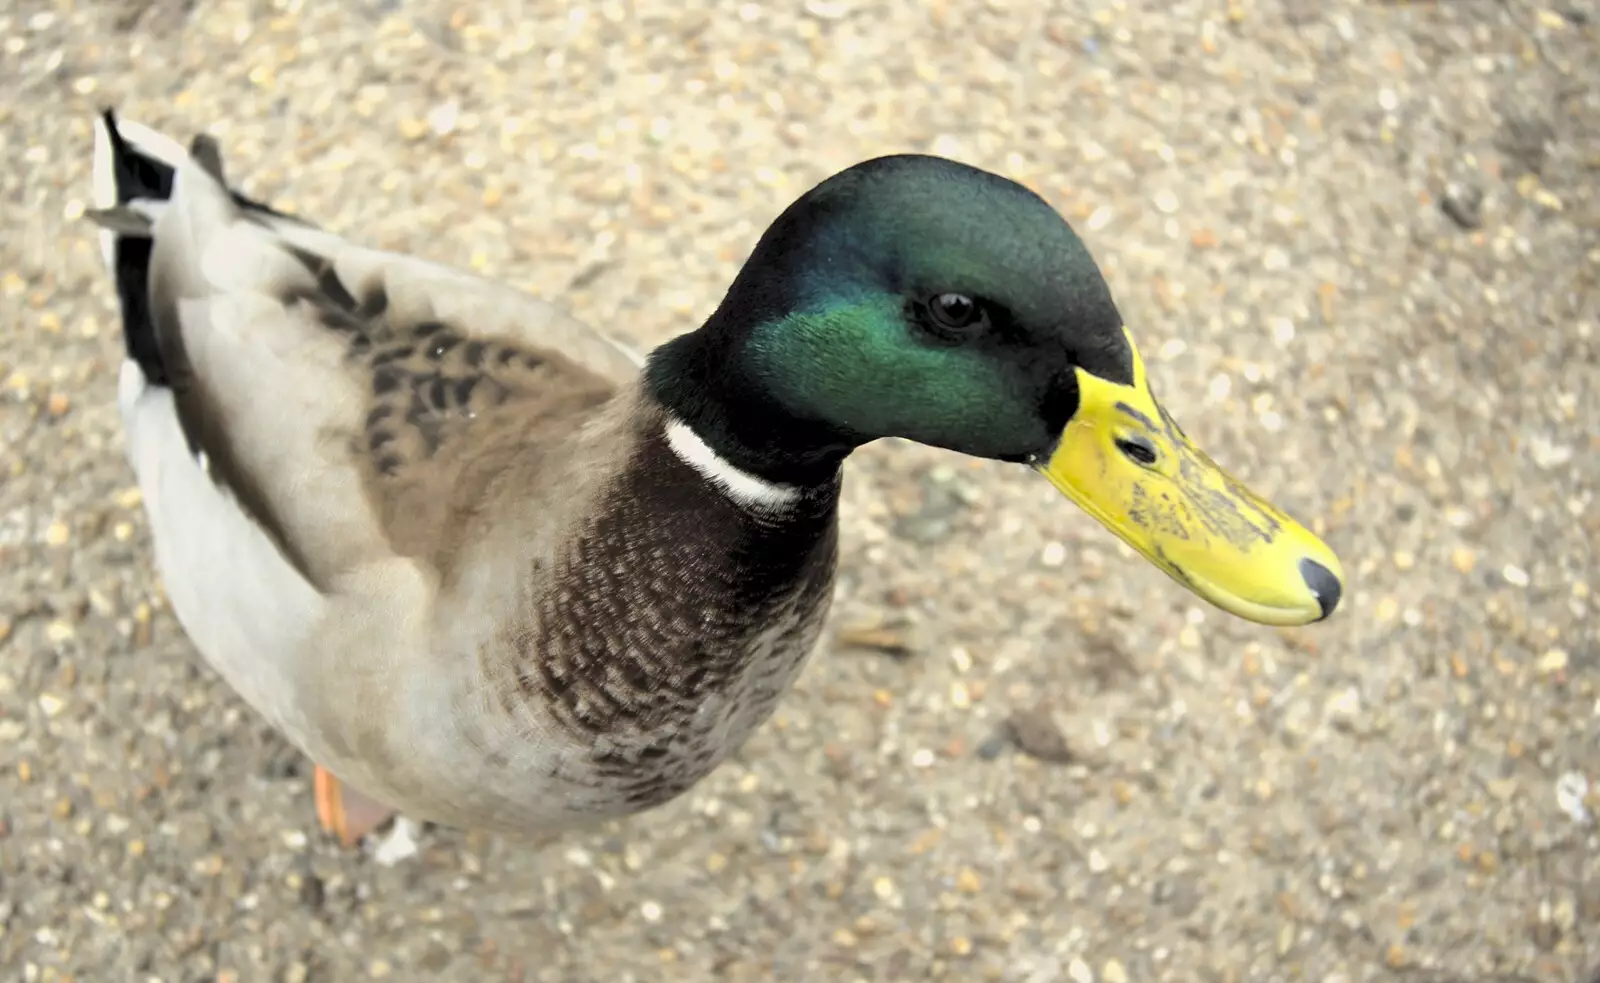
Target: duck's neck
{"x":676,"y":614}
{"x":746,"y":490}
{"x":729,"y":426}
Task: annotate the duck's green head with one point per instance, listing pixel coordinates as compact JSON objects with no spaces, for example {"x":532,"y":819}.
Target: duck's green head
{"x":916,"y":297}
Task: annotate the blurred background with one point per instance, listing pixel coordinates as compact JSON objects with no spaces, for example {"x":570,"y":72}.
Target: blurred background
{"x":1359,"y":245}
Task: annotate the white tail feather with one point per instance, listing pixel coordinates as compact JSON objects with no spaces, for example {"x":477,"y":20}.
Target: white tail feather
{"x":151,"y":143}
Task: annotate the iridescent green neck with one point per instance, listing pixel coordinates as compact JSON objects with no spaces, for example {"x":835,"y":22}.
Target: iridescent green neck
{"x":706,"y":380}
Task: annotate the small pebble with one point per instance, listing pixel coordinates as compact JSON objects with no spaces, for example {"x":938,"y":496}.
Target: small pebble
{"x":1463,"y":204}
{"x":399,"y":845}
{"x":442,"y":119}
{"x":1572,"y":793}
{"x":961,"y":659}
{"x":1035,"y":732}
{"x":1552,"y":662}
{"x":995,"y":745}
{"x":827,"y":9}
{"x":1286,"y":938}
{"x":1344,"y":706}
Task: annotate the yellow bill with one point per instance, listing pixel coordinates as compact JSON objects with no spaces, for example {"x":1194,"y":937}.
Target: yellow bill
{"x":1124,"y":461}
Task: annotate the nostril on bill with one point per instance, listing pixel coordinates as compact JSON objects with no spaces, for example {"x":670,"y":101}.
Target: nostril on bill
{"x":1137,"y":449}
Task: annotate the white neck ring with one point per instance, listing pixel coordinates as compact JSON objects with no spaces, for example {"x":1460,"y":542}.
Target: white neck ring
{"x":744,"y":488}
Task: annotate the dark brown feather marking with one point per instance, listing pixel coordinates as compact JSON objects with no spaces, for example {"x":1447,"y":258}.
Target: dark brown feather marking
{"x":374,"y":303}
{"x":397,"y":354}
{"x":430,"y":385}
{"x":203,"y":148}
{"x":441,"y":345}
{"x":670,"y":603}
{"x":331,"y":295}
{"x":436,"y":392}
{"x":387,"y":380}
{"x":423,"y":420}
{"x":334,"y":289}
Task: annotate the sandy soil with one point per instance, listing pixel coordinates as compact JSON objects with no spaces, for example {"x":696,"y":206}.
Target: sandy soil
{"x":1358,"y":243}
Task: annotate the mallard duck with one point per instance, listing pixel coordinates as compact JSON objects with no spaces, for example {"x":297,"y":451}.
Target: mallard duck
{"x":488,"y":568}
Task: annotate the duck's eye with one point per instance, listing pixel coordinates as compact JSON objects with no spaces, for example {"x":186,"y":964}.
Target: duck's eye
{"x":1137,"y":449}
{"x":955,"y":312}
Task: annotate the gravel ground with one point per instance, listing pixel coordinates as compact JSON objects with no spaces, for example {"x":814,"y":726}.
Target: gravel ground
{"x":1358,"y":243}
